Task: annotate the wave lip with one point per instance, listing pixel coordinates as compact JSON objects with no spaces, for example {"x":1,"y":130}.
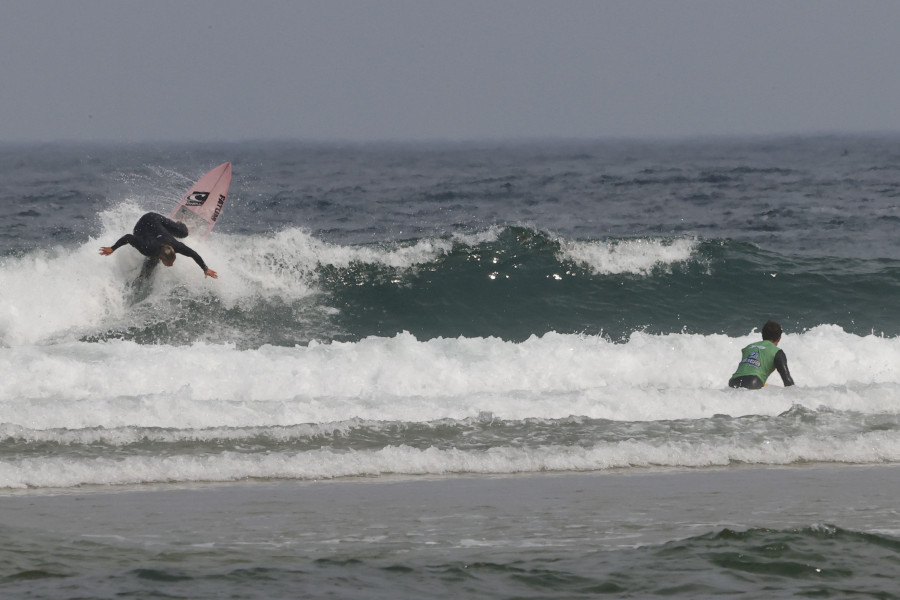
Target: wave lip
{"x":640,"y":256}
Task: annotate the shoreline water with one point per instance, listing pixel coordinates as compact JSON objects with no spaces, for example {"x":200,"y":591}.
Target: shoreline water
{"x":738,"y":488}
{"x":545,"y":535}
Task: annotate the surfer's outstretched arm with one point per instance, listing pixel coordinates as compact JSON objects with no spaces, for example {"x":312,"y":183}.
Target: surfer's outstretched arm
{"x":188,"y":251}
{"x":125,"y":239}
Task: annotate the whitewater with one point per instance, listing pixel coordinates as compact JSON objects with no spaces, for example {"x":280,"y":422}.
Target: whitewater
{"x":123,"y":412}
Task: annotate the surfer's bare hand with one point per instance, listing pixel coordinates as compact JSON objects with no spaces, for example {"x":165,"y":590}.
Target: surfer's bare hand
{"x":106,"y":251}
{"x":211,"y":273}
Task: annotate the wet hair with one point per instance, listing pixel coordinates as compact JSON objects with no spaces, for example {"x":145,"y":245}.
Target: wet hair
{"x":166,"y":254}
{"x":771,"y":331}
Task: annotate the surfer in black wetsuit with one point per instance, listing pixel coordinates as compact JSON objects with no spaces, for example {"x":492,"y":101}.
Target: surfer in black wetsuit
{"x":154,"y":237}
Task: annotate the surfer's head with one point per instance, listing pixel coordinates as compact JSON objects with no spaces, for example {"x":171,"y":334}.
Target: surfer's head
{"x":166,"y":255}
{"x":771,"y":331}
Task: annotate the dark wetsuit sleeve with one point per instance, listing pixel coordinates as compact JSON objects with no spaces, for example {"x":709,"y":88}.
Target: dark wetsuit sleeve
{"x":188,"y":251}
{"x":176,"y":228}
{"x":781,"y":365}
{"x":125,"y":239}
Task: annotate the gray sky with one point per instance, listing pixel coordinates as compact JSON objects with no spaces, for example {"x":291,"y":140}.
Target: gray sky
{"x":364,"y":70}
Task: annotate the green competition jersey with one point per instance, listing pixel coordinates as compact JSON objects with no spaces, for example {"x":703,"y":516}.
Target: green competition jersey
{"x":757,"y":359}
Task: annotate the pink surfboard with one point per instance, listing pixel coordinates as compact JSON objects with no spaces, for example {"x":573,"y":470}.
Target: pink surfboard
{"x":201,"y":206}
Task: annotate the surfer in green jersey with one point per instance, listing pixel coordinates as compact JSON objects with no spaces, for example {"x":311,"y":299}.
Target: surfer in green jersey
{"x":759,"y":359}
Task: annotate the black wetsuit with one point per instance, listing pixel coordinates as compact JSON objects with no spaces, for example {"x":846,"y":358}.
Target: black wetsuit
{"x":151,"y":232}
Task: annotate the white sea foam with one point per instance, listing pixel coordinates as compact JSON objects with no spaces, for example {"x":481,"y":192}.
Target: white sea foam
{"x":326,"y":463}
{"x":639,"y":256}
{"x":120,"y":383}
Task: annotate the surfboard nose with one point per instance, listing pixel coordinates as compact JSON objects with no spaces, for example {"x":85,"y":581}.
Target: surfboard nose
{"x":201,"y":205}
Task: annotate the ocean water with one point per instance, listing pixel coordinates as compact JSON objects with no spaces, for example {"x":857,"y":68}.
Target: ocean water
{"x":440,"y":312}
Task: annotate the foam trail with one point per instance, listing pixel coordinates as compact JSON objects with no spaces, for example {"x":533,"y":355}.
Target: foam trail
{"x":51,"y":292}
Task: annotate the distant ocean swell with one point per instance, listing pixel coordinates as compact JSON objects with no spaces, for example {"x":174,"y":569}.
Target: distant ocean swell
{"x":523,"y":282}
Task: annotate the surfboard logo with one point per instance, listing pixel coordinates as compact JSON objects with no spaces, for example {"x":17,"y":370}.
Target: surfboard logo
{"x":205,"y":199}
{"x":196,"y":199}
{"x":219,"y":204}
